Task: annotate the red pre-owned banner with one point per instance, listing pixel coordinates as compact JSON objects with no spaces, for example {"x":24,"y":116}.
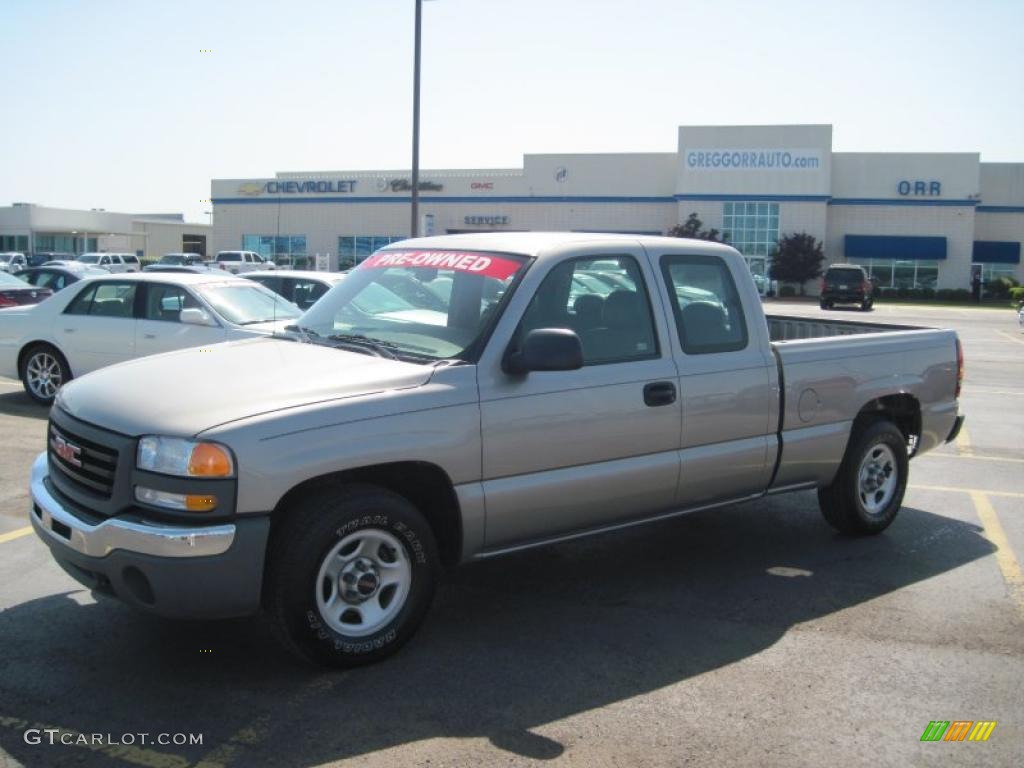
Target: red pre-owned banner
{"x":461,"y":261}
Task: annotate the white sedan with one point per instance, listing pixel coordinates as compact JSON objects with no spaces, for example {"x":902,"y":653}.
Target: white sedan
{"x":100,"y":321}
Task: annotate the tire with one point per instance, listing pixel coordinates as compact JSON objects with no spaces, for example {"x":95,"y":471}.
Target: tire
{"x":823,"y":304}
{"x":868,"y":489}
{"x":43,"y":372}
{"x":865,"y":305}
{"x":364,"y":535}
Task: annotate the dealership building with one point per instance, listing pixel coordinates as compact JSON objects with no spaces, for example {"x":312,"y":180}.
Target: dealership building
{"x":30,"y":228}
{"x":912,"y":219}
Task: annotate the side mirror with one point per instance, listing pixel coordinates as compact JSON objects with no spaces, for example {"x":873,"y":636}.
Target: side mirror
{"x":546,"y":349}
{"x":194,"y":316}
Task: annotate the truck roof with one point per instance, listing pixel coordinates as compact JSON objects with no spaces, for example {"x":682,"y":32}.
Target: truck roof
{"x":537,"y":243}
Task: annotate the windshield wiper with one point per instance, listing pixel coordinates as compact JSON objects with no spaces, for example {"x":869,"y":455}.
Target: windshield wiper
{"x":307,"y":334}
{"x":360,"y":342}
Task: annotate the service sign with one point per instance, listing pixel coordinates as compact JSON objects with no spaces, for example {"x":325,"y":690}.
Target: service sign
{"x":484,"y":264}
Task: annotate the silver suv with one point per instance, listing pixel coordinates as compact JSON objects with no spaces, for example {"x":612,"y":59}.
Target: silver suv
{"x":237,"y":262}
{"x":112,"y":262}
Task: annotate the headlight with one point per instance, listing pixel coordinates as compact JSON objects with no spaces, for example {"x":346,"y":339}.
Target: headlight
{"x":187,"y":458}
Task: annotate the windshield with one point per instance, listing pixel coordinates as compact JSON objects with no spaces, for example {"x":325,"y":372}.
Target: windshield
{"x":420,"y":304}
{"x":247,"y":303}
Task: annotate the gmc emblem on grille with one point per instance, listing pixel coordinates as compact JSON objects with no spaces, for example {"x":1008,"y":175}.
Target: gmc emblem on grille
{"x":67,"y":451}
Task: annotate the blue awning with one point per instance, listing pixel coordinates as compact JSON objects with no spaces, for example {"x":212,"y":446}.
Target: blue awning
{"x":901,"y":247}
{"x":996,"y":252}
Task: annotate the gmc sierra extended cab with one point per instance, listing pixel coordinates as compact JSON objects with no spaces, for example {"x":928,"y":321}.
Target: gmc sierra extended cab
{"x":564,"y":384}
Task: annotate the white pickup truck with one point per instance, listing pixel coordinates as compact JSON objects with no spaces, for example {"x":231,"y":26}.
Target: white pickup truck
{"x":568,"y":384}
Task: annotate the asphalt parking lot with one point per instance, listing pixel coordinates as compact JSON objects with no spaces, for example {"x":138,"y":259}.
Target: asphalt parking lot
{"x":752,"y":635}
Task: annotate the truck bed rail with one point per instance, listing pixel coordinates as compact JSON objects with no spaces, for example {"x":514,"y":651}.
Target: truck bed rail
{"x":789,"y":328}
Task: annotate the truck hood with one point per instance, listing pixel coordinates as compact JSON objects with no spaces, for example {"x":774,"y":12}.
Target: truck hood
{"x":186,"y":392}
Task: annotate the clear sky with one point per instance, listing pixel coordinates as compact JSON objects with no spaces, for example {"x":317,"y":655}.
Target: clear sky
{"x":115,"y":104}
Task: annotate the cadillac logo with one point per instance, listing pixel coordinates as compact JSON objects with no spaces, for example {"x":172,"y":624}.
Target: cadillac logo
{"x":67,"y":451}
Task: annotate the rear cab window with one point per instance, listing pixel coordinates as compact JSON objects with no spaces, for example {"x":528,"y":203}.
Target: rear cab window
{"x":705,"y":304}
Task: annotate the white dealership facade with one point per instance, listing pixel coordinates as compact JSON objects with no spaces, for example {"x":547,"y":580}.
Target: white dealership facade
{"x":914,"y":220}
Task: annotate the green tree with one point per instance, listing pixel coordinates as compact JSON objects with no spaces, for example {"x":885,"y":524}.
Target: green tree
{"x":798,"y":259}
{"x":694,"y":228}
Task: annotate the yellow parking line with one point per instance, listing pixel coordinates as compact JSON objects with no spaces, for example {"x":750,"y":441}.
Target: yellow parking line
{"x":12,"y":535}
{"x":938,"y":455}
{"x":963,"y":442}
{"x":1007,"y":561}
{"x":954,"y":489}
{"x":1014,"y":339}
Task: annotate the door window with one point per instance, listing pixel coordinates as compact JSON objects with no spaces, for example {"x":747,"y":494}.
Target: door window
{"x":104,"y":300}
{"x":165,"y":302}
{"x":705,"y":303}
{"x":304,"y":293}
{"x":604,"y":300}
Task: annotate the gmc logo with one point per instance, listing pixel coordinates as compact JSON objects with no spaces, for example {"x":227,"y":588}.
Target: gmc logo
{"x":482,"y":185}
{"x":67,"y":451}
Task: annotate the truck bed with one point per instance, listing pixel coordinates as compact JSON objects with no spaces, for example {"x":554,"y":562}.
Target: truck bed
{"x":830,"y":369}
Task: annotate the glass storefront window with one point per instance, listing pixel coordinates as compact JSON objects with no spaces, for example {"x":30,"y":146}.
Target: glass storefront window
{"x":352,"y":249}
{"x":286,"y":250}
{"x":993,"y":271}
{"x":889,"y":273}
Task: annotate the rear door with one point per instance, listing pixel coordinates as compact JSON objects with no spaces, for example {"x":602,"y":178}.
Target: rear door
{"x":569,"y":450}
{"x":727,"y":377}
{"x":98,"y":326}
{"x":160,"y":328}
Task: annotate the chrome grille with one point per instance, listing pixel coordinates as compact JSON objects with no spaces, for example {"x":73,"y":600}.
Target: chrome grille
{"x":89,"y":465}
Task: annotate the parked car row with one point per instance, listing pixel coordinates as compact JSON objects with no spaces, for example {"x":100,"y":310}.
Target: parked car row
{"x":112,"y":318}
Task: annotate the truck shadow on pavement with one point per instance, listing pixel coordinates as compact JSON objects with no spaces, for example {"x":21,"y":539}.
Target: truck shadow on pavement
{"x":20,"y":404}
{"x":511,"y":644}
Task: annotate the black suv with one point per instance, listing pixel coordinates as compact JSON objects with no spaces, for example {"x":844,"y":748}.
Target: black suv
{"x":846,"y":284}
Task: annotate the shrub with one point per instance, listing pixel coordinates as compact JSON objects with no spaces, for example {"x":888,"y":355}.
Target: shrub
{"x":944,"y":294}
{"x":999,"y":288}
{"x":961,"y":294}
{"x":786,"y":291}
{"x":903,"y":292}
{"x":927,"y":293}
{"x":1017,"y":294}
{"x":887,"y":292}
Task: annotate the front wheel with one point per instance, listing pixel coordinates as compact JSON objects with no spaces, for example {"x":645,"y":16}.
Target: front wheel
{"x":868,"y":490}
{"x":43,"y":372}
{"x":351,"y":573}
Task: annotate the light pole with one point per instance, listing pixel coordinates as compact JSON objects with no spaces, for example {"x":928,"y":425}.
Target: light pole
{"x":414,"y":224}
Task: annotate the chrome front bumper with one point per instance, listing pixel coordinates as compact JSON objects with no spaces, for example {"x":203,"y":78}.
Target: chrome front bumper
{"x":54,"y":522}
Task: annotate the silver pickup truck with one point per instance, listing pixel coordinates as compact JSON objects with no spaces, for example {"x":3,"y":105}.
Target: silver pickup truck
{"x":508,"y":391}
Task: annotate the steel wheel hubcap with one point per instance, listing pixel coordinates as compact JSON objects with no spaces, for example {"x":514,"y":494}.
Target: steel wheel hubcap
{"x":363,"y":582}
{"x":44,"y":375}
{"x":877,"y":478}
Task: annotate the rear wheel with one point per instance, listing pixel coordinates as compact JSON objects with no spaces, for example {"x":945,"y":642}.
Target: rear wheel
{"x":43,"y":372}
{"x":868,"y":490}
{"x":351,"y":573}
{"x":825,"y":304}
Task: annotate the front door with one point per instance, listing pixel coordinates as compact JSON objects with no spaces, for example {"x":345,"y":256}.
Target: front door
{"x":160,"y":328}
{"x":570,"y":450}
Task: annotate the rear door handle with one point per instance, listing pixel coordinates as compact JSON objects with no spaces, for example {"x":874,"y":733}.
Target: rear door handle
{"x":659,"y":393}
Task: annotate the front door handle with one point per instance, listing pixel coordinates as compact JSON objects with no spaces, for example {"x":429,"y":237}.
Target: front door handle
{"x":659,"y":393}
